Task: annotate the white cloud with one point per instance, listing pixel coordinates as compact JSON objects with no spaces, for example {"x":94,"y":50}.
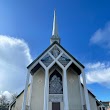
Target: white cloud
{"x":102,"y":37}
{"x":14,"y":57}
{"x":10,"y":97}
{"x":98,"y":73}
{"x":7,"y":94}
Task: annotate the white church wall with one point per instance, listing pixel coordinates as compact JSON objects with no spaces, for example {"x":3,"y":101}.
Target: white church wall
{"x":37,"y":98}
{"x":50,"y":105}
{"x":19,"y":100}
{"x":83,"y":95}
{"x":92,"y":100}
{"x":62,"y":106}
{"x":73,"y":90}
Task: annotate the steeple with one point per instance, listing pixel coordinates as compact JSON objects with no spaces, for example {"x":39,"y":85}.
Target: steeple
{"x":55,"y":36}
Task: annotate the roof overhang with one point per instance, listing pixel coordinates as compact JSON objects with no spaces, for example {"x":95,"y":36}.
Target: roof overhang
{"x":75,"y":63}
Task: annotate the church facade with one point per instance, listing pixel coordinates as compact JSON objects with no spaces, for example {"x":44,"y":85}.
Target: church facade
{"x":55,"y":82}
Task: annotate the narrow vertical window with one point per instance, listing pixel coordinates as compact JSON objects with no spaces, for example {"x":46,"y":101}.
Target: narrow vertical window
{"x":55,"y":83}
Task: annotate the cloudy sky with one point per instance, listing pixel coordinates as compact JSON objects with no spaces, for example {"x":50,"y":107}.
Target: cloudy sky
{"x":26,"y":28}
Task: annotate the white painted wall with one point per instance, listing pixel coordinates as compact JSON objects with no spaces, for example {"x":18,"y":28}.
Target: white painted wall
{"x":92,"y":100}
{"x":19,"y":100}
{"x":37,"y":97}
{"x":73,"y":91}
{"x":93,"y":105}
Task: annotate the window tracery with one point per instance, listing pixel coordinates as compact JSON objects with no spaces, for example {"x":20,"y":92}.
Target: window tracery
{"x":55,"y":83}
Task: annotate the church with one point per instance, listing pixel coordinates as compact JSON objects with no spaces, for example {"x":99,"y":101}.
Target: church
{"x":55,"y":82}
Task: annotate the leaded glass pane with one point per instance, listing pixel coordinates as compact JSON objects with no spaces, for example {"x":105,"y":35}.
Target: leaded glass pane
{"x":64,"y":60}
{"x":55,"y":51}
{"x":47,"y":60}
{"x":55,"y":83}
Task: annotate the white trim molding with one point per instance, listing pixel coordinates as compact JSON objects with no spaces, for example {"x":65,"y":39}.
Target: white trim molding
{"x":29,"y":102}
{"x":46,"y":91}
{"x":65,"y":90}
{"x":86,"y":91}
{"x":25,"y":91}
{"x":81,"y":94}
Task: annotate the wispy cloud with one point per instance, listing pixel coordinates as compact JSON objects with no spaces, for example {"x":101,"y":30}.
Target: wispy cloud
{"x":14,"y":57}
{"x":98,"y":73}
{"x":102,"y":36}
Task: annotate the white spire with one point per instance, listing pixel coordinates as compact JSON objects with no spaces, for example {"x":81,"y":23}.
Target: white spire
{"x":55,"y":36}
{"x":55,"y":28}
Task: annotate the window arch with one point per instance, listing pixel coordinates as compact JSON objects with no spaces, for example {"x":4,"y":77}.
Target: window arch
{"x":55,"y":83}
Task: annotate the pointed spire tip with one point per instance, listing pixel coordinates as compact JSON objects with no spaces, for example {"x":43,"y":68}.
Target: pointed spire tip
{"x":55,"y":36}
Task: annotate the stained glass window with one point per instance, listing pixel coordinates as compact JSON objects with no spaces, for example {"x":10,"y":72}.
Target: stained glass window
{"x":47,"y":60}
{"x":55,"y":51}
{"x":55,"y":83}
{"x":64,"y":60}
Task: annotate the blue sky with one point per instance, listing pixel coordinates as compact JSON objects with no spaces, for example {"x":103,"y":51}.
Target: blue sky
{"x":84,"y":28}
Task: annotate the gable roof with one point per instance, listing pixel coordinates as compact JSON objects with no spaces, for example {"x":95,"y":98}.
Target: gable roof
{"x":62,"y":49}
{"x":21,"y":92}
{"x":11,"y":104}
{"x":100,"y":103}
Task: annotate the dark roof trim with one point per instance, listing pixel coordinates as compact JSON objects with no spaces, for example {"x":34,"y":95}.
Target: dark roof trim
{"x":12,"y":103}
{"x":60,"y":47}
{"x":89,"y":91}
{"x":100,"y":102}
{"x":71,"y":56}
{"x":21,"y":92}
{"x":40,"y":55}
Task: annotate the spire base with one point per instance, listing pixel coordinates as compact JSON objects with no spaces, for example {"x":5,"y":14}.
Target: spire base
{"x":54,"y":38}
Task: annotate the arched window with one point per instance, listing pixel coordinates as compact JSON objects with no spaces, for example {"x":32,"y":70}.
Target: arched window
{"x":55,"y":83}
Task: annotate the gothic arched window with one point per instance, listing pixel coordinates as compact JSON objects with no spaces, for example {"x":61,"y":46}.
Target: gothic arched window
{"x":55,"y":83}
